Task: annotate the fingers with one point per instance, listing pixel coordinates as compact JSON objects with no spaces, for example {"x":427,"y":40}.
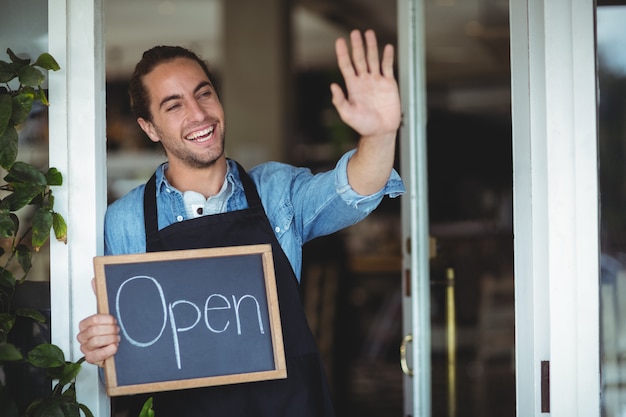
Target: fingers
{"x":387,"y":64}
{"x":98,"y":337}
{"x":358,"y":53}
{"x":338,"y":97}
{"x":372,"y":52}
{"x":343,"y":58}
{"x":364,"y":58}
{"x":98,"y":356}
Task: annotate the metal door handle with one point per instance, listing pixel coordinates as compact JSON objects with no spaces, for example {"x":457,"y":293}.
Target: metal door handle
{"x":403,"y":364}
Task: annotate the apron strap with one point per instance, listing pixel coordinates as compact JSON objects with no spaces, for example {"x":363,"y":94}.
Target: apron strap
{"x":151,"y":223}
{"x":252,"y":196}
{"x":150,"y":218}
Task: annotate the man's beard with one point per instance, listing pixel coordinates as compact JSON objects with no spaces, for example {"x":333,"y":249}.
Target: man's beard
{"x":196,"y":160}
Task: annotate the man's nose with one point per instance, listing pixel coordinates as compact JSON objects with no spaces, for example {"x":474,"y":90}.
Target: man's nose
{"x":196,"y":111}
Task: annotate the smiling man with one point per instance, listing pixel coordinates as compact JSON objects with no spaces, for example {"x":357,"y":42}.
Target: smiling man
{"x":201,"y":199}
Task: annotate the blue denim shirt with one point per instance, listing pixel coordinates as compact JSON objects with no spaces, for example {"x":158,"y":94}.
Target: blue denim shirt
{"x":300,"y":206}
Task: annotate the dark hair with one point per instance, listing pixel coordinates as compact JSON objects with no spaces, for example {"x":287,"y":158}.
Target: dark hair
{"x":139,"y":98}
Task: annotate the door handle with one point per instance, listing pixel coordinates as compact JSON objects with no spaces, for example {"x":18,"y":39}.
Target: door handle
{"x":403,"y":363}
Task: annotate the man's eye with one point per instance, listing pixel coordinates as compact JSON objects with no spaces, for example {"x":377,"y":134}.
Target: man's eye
{"x":173,"y":107}
{"x":205,"y":94}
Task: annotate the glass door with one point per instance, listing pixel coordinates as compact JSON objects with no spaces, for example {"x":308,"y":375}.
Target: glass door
{"x":611,"y":54}
{"x":457,"y":352}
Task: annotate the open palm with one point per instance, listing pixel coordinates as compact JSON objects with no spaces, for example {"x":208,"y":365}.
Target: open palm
{"x":372,"y":105}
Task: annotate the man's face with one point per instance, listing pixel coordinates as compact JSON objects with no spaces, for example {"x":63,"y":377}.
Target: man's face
{"x":187,"y":116}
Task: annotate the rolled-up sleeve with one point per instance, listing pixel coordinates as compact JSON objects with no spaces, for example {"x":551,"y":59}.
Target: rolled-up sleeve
{"x":393,"y":188}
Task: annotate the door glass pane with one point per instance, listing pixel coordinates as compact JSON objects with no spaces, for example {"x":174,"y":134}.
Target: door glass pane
{"x":470,"y":206}
{"x":24,"y":30}
{"x":611,"y":51}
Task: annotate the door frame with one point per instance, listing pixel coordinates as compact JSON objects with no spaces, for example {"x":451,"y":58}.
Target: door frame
{"x":555,"y":205}
{"x":415,"y":224}
{"x":77,"y":147}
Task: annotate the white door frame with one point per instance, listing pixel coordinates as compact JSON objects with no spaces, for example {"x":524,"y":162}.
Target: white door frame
{"x":78,"y":149}
{"x":555,"y":205}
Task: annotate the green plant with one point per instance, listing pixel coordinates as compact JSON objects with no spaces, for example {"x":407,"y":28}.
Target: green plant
{"x":146,"y":410}
{"x":25,"y":185}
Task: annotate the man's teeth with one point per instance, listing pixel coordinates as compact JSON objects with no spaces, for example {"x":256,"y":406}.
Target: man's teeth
{"x":200,"y":134}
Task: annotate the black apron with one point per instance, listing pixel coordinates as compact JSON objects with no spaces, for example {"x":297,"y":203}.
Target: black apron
{"x":305,"y":391}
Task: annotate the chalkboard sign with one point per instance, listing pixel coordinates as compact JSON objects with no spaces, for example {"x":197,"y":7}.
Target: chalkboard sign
{"x":191,"y":318}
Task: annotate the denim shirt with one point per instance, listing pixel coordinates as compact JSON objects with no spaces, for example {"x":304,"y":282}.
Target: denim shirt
{"x":299,"y":205}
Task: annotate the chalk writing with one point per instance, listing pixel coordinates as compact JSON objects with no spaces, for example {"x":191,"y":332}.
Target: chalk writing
{"x":168,"y":313}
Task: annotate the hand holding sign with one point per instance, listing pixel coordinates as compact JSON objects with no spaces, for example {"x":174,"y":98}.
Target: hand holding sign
{"x":98,"y":337}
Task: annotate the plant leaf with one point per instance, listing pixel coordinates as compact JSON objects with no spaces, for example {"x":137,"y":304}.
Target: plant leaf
{"x":31,"y":313}
{"x":8,"y":147}
{"x":22,"y":195}
{"x":69,"y":373}
{"x":46,"y":355}
{"x":9,"y":352}
{"x":146,"y":410}
{"x":42,"y":223}
{"x":7,"y":280}
{"x":9,"y":223}
{"x":54,"y":177}
{"x":60,"y":227}
{"x":70,"y":409}
{"x":46,"y":407}
{"x":24,"y":258}
{"x":70,"y":392}
{"x":30,"y":76}
{"x":7,"y":72}
{"x":46,"y":61}
{"x":22,"y":104}
{"x":16,"y":59}
{"x":42,"y":97}
{"x":22,"y":172}
{"x":7,"y":321}
{"x":6,"y":108}
{"x":85,"y":410}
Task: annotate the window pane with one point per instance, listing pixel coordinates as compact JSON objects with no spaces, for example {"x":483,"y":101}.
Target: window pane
{"x":611,"y":51}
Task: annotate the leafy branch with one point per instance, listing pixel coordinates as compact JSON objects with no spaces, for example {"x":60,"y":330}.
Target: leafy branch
{"x":26,"y":186}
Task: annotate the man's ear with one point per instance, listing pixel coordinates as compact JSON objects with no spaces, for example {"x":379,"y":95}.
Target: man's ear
{"x":148,"y":127}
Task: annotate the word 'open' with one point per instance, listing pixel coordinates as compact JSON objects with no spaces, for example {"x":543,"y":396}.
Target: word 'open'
{"x":214,"y":302}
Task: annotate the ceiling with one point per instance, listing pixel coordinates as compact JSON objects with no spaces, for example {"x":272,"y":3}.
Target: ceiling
{"x":467,"y":41}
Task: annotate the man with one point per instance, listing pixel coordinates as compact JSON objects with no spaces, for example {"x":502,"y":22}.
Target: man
{"x":199,"y":198}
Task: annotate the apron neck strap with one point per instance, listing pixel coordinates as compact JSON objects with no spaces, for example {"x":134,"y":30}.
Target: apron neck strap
{"x":149,"y":199}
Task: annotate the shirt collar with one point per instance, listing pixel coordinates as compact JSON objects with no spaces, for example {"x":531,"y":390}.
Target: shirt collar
{"x":232,"y":175}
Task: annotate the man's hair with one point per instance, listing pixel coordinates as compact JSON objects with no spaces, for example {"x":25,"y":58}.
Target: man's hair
{"x":139,"y":98}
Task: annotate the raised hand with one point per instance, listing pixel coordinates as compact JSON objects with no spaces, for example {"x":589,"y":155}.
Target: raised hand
{"x":372,"y":105}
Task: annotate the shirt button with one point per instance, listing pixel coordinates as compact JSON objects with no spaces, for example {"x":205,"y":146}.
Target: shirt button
{"x":277,"y":229}
{"x":179,"y":218}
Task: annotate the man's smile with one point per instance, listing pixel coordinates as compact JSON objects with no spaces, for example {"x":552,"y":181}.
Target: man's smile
{"x":201,"y":135}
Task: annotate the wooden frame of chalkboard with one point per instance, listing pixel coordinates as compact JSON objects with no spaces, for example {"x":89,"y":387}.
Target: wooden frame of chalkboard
{"x":191,"y":318}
